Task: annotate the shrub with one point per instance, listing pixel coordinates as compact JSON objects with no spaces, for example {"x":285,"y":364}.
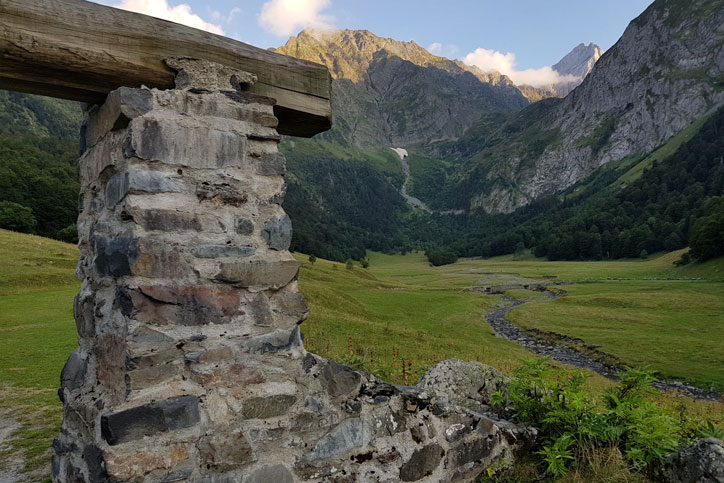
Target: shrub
{"x":312,"y":259}
{"x":707,"y":236}
{"x":16,"y":217}
{"x":350,"y":264}
{"x":69,"y":234}
{"x":441,"y":256}
{"x":574,"y":425}
{"x":684,"y":260}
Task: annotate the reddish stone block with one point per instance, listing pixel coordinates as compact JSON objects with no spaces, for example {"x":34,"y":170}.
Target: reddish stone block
{"x":195,"y":305}
{"x":128,"y":466}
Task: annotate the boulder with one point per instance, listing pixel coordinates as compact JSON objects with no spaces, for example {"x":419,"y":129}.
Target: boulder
{"x":702,"y":462}
{"x":466,"y":384}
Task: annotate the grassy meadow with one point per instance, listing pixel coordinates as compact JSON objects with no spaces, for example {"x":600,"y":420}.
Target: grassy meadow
{"x":646,"y":313}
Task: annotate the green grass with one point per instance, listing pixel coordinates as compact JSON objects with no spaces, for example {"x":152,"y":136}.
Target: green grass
{"x":31,"y":263}
{"x":377,"y":322}
{"x":675,"y":328}
{"x":37,"y":333}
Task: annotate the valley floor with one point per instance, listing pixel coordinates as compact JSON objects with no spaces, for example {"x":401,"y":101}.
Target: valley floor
{"x":395,"y":319}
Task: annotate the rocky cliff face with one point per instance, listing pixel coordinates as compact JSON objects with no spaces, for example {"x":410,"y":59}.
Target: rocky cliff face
{"x":665,"y":72}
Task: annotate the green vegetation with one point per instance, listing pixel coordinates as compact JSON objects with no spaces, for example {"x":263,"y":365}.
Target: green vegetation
{"x":707,"y":235}
{"x":576,"y":426}
{"x":441,"y":256}
{"x":38,"y":156}
{"x":427,"y":175}
{"x":374,"y":319}
{"x":342,"y":201}
{"x":608,"y":218}
{"x":396,"y":319}
{"x":600,"y":137}
{"x":16,"y":217}
{"x":674,"y":327}
{"x":37,"y":333}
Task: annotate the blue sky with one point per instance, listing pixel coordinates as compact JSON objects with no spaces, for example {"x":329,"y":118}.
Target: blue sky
{"x":537,"y":32}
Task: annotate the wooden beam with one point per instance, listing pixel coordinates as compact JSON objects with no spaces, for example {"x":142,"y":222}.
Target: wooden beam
{"x":80,"y":50}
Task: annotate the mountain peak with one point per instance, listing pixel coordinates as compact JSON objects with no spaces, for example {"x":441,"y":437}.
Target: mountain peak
{"x":579,"y":61}
{"x":348,"y":53}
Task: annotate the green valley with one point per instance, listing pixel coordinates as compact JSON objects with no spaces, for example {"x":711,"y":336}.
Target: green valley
{"x":400,"y":312}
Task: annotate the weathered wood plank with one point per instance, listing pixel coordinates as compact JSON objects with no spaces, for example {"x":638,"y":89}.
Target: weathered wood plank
{"x":81,"y":50}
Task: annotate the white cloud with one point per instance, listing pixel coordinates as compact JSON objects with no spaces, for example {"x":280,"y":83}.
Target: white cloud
{"x":448,"y":50}
{"x":228,"y":18}
{"x":161,"y":9}
{"x":489,"y":60}
{"x":287,"y":17}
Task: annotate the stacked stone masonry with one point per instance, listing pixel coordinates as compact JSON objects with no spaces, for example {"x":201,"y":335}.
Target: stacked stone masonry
{"x":190,"y":365}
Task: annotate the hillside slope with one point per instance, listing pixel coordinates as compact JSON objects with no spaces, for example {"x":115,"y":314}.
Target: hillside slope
{"x":38,"y":160}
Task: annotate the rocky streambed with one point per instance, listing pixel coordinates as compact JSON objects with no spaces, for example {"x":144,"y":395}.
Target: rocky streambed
{"x":563,"y":351}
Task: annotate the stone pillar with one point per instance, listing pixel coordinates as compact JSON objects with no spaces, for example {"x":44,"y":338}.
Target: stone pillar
{"x":190,"y":364}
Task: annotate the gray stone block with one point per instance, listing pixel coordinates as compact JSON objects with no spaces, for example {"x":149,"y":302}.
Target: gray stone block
{"x":136,"y":181}
{"x":150,"y":419}
{"x":221,"y":193}
{"x":277,"y":341}
{"x":116,"y":256}
{"x":193,"y":146}
{"x":225,"y":451}
{"x":272,"y":164}
{"x":223,"y":251}
{"x":120,"y":107}
{"x":270,"y":474}
{"x":422,"y":463}
{"x":243,"y":226}
{"x":274,"y":274}
{"x":340,"y":380}
{"x":277,"y":232}
{"x":268,"y":406}
{"x":469,"y":451}
{"x":343,"y":438}
{"x":166,"y":220}
{"x":73,"y":373}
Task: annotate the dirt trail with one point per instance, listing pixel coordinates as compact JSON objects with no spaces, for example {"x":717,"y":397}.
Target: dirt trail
{"x":9,"y":469}
{"x":505,"y":329}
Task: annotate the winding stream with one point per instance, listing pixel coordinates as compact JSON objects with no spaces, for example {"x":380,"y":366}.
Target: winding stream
{"x":542,"y":347}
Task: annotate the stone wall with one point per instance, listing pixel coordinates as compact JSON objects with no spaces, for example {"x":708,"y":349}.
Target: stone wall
{"x":190,"y":365}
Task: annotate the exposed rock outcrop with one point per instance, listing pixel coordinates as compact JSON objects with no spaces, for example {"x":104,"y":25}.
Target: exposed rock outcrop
{"x":702,"y":462}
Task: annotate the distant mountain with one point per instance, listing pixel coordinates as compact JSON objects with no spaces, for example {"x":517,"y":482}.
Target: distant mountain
{"x":577,"y":63}
{"x":398,"y":93}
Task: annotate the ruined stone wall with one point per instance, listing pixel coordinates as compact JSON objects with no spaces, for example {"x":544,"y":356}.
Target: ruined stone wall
{"x":190,"y":364}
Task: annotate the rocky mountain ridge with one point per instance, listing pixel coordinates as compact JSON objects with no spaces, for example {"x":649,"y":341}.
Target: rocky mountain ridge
{"x":397,"y":93}
{"x":666,"y":72}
